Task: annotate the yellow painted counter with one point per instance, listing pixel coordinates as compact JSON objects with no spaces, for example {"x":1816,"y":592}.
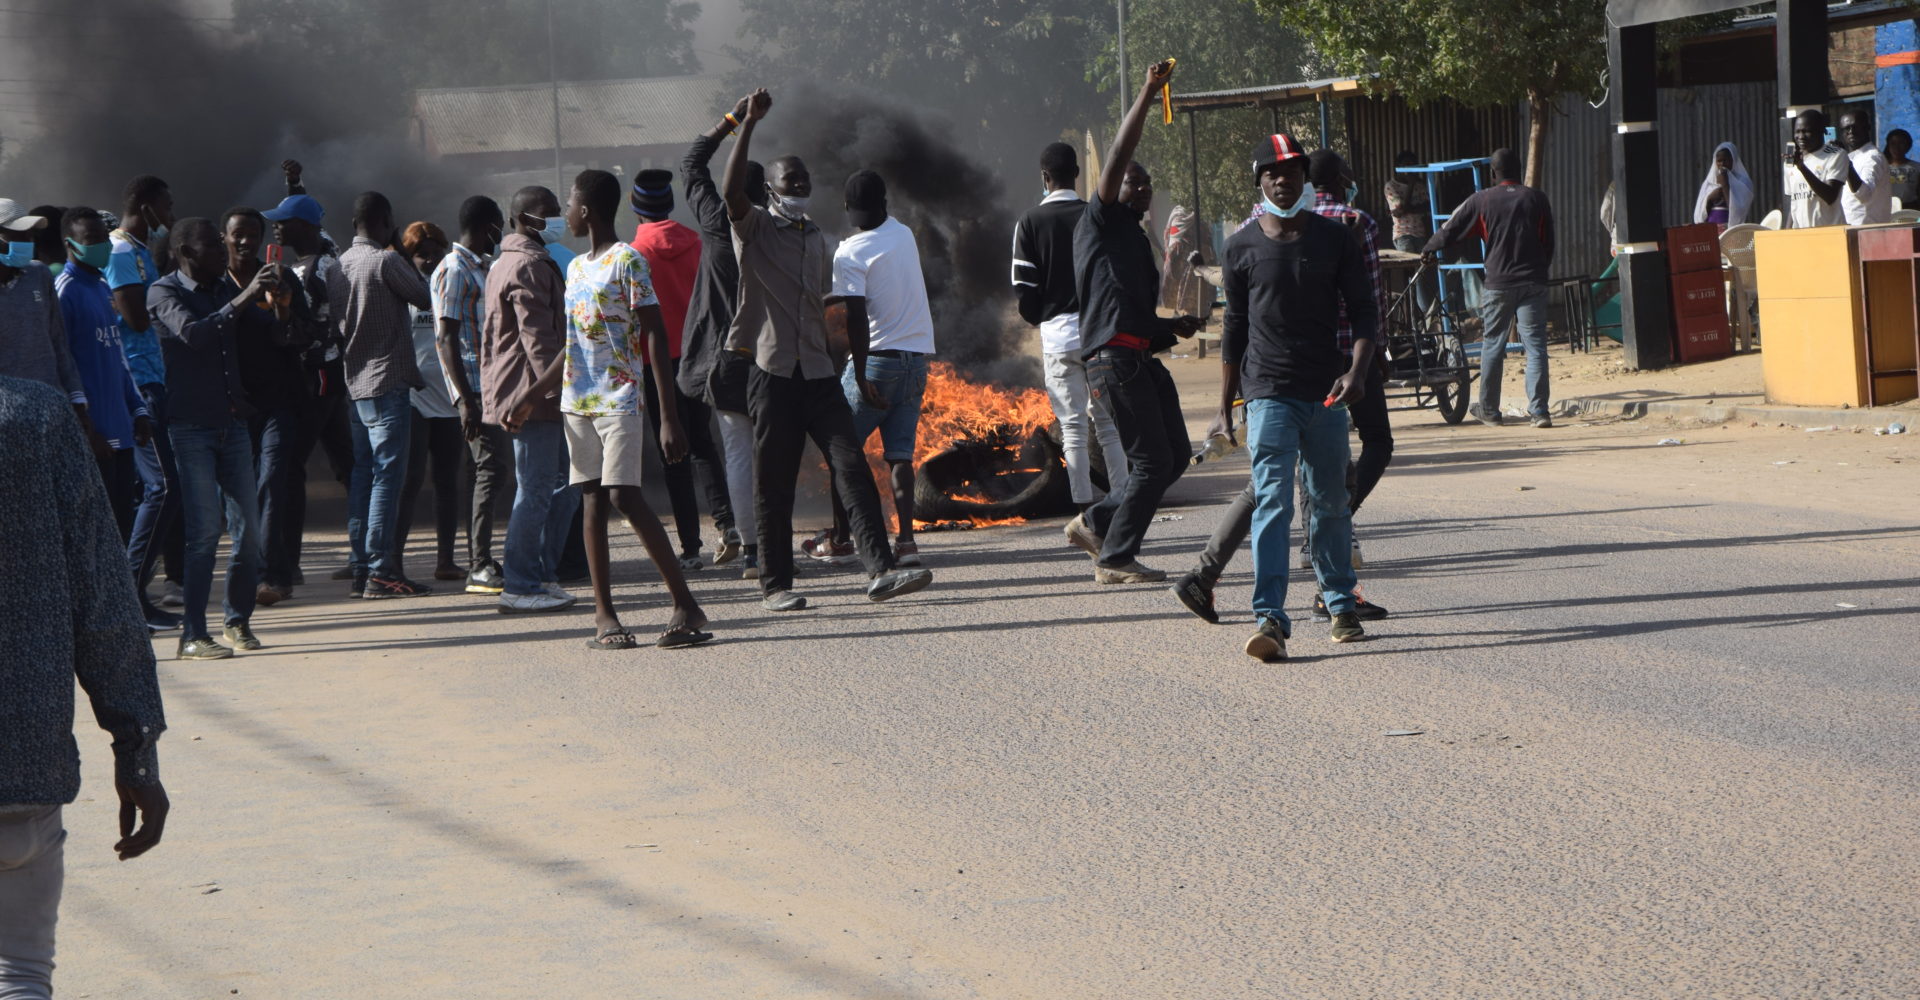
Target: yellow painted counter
{"x":1814,"y":316}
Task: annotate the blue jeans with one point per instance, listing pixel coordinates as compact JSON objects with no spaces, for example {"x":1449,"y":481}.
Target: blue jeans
{"x":543,"y":506}
{"x":382,"y":428}
{"x":213,"y":461}
{"x":159,"y":494}
{"x":902,"y":382}
{"x":1521,"y":311}
{"x":1280,"y":434}
{"x":277,"y":436}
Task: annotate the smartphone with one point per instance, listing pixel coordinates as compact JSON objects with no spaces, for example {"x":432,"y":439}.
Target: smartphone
{"x":273,"y":253}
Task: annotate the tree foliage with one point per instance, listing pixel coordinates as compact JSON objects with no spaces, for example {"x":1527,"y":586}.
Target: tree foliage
{"x":1463,"y":49}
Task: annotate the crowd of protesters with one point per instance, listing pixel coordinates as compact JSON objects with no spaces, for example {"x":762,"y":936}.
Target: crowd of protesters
{"x":166,"y":379}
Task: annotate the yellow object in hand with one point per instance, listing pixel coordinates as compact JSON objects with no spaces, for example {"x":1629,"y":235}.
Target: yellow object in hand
{"x":1166,"y":97}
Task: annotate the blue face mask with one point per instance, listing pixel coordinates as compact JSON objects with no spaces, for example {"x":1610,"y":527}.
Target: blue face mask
{"x":1353,"y":191}
{"x":553,"y":227}
{"x":1299,"y":205}
{"x":93,"y":255}
{"x":19,"y":253}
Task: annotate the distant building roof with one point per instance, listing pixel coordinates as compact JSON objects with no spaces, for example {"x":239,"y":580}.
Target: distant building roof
{"x":600,"y":114}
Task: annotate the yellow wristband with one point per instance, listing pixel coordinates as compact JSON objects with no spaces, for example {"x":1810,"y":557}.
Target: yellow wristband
{"x":731,"y":118}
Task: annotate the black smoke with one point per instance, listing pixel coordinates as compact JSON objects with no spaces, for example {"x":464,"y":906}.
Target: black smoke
{"x":954,"y":204}
{"x":133,"y":87}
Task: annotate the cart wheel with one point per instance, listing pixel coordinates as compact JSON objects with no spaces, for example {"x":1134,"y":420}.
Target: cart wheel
{"x":1451,"y":397}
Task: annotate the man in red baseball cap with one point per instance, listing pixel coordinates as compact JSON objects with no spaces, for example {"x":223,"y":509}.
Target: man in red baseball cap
{"x":1286,"y":278}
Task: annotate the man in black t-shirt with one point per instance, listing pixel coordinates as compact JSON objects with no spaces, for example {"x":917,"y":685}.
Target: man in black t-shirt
{"x":1286,"y":278}
{"x":1119,"y":284}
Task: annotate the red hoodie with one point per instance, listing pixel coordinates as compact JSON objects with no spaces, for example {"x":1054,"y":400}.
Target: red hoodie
{"x":673,"y":255}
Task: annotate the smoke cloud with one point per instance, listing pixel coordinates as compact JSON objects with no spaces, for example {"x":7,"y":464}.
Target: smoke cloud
{"x":954,"y":204}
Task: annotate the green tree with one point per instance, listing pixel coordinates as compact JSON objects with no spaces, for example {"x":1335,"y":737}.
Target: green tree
{"x":1463,"y":49}
{"x":1220,"y":46}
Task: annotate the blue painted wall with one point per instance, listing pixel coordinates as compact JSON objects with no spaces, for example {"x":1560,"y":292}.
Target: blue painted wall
{"x":1896,"y":89}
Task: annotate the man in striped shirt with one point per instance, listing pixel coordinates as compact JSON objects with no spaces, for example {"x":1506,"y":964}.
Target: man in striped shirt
{"x":458,"y":285}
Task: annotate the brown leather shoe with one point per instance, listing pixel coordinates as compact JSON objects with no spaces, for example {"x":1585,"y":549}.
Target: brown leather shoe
{"x":267,"y":595}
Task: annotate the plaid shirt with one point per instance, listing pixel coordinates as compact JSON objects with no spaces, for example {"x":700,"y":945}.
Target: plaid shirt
{"x":378,"y":327}
{"x":1369,"y":234}
{"x":458,"y":287}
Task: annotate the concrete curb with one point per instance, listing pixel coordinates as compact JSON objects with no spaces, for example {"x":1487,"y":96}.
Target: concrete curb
{"x":1792,"y":416}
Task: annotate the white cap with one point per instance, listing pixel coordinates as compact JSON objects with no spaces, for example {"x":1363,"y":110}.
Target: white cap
{"x":15,"y":218}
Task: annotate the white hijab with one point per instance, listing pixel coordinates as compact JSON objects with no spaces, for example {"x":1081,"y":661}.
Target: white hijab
{"x":1739,"y":187}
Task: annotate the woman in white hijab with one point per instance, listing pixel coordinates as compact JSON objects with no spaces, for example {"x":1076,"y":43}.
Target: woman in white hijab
{"x":1727,"y":193}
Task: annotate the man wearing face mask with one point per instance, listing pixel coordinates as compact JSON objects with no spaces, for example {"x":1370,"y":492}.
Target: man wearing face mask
{"x":118,"y":412}
{"x":381,"y":372}
{"x":1118,"y":282}
{"x":794,"y":390}
{"x":1287,"y":278}
{"x":33,"y":337}
{"x":522,"y":359}
{"x":459,"y":286}
{"x":146,"y":212}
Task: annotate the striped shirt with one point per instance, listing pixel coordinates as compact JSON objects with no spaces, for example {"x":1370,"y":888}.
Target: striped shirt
{"x":459,"y":284}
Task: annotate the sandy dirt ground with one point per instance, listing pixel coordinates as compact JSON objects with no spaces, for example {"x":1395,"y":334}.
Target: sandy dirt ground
{"x":1664,"y":697}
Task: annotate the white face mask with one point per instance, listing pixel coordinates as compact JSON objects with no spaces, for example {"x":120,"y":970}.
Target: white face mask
{"x":791,"y":206}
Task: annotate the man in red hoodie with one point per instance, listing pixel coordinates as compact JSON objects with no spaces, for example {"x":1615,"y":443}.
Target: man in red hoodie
{"x":673,"y":254}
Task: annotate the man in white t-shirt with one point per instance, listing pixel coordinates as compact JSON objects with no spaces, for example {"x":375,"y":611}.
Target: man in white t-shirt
{"x":1816,"y":171}
{"x":876,"y":273}
{"x":1867,"y":197}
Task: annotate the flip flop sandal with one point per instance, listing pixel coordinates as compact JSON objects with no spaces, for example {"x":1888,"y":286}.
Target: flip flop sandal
{"x":681,"y":636}
{"x":609,"y":642}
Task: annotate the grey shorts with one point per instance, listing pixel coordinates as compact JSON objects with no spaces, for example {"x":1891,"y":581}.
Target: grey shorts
{"x":610,"y":449}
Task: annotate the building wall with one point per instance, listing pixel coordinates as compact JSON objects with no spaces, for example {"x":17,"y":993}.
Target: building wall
{"x":1897,"y":86}
{"x":1693,"y":120}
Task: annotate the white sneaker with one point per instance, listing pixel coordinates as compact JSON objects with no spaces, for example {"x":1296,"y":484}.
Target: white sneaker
{"x":553,"y":587}
{"x":514,"y":604}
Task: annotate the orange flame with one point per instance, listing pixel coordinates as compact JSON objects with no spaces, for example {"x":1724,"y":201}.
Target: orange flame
{"x":954,"y":410}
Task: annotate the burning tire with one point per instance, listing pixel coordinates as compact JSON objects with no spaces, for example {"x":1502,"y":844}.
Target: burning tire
{"x":993,"y":481}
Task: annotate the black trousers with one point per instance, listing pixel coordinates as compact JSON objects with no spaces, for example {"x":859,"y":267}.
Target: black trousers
{"x":786,"y":412}
{"x":436,"y":448}
{"x":492,"y":465}
{"x":1146,"y":412}
{"x":1369,"y":417}
{"x":703,"y":459}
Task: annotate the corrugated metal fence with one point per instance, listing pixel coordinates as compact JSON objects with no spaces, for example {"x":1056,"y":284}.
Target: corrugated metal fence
{"x":1692,"y":122}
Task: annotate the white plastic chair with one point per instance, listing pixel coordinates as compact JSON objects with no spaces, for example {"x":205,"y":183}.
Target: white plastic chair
{"x":1906,"y":215}
{"x":1736,"y":246}
{"x":1772,"y":221}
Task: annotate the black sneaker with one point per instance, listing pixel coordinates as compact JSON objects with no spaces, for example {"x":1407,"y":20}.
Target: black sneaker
{"x":1268,"y":644}
{"x":1346,"y":628}
{"x":203,"y":648}
{"x":488,"y":579}
{"x":898,"y":583}
{"x":241,"y":635}
{"x":401,"y":587}
{"x":358,"y":589}
{"x":1365,"y":610}
{"x":1541,"y":420}
{"x":1493,"y":419}
{"x":1197,"y":597}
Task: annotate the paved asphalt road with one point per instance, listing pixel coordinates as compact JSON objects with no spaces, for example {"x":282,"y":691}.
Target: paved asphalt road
{"x":1667,"y":709}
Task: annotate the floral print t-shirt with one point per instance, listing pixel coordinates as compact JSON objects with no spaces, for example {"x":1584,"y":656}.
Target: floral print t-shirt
{"x":603,"y":370}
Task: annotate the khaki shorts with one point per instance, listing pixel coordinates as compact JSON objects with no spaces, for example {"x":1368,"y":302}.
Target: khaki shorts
{"x":609,"y":449}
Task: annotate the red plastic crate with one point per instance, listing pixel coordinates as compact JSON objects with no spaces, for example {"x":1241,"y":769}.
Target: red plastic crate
{"x":1701,"y":338}
{"x":1699,"y":293}
{"x":1693,"y":248}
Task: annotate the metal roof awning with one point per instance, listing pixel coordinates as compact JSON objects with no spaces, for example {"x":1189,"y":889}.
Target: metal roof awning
{"x":1626,"y":13}
{"x":1254,"y":97}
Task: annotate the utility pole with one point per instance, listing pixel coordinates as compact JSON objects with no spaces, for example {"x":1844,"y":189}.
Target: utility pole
{"x":1120,"y":46}
{"x":553,"y":75}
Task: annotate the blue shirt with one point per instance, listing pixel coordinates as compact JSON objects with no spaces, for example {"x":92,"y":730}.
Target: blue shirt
{"x":93,"y":338}
{"x":132,"y":264}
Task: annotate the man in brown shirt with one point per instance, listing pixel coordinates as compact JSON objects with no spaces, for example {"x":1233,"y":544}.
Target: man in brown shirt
{"x":522,"y":348}
{"x":793,"y":392}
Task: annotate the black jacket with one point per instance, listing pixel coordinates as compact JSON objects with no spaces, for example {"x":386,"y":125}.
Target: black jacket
{"x":1517,"y":224}
{"x":1043,"y":259}
{"x":716,"y":290}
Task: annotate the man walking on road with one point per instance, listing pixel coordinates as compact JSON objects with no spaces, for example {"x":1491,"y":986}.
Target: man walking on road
{"x":795,"y":392}
{"x":1120,"y":331}
{"x":381,"y":372}
{"x":1516,"y":223}
{"x":522,"y":354}
{"x":1044,"y":280}
{"x":1287,"y":277}
{"x":74,"y":617}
